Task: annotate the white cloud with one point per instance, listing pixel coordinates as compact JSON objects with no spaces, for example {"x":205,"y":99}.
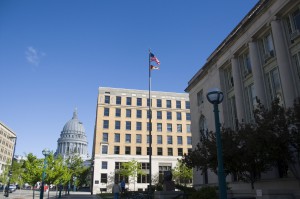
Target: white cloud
{"x":33,"y":56}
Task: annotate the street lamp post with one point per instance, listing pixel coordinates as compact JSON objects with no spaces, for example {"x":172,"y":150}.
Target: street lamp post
{"x":45,"y":152}
{"x":215,"y":97}
{"x":6,"y":193}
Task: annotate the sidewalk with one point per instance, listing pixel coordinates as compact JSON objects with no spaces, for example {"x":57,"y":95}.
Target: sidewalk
{"x":83,"y":195}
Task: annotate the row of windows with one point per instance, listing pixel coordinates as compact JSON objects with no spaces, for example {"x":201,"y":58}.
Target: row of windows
{"x":139,"y":102}
{"x":138,"y":126}
{"x":139,"y":114}
{"x":138,"y":151}
{"x":117,"y":138}
{"x":141,"y":178}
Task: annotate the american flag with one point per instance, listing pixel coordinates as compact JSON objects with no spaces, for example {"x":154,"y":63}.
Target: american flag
{"x":154,"y":67}
{"x":153,"y":58}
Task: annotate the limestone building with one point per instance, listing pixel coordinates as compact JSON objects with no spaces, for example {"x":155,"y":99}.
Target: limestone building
{"x":122,"y":134}
{"x":73,"y":139}
{"x":8,"y":139}
{"x":259,"y":58}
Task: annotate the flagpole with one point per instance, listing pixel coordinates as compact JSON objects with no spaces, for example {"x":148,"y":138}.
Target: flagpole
{"x":150,"y":129}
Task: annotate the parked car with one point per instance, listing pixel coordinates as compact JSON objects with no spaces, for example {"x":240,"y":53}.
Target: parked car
{"x":12,"y":188}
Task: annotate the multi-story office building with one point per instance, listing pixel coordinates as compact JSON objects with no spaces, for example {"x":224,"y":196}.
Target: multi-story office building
{"x":122,"y":134}
{"x":7,"y":145}
{"x":259,"y":58}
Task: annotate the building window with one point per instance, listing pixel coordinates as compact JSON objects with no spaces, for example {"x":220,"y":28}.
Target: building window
{"x":103,"y":165}
{"x":138,"y":126}
{"x":228,"y":78}
{"x":188,"y":116}
{"x":159,"y":139}
{"x":118,"y":165}
{"x":179,"y":128}
{"x":178,"y":104}
{"x":105,"y":124}
{"x":142,"y":178}
{"x":169,"y":127}
{"x":169,"y":104}
{"x":180,"y":151}
{"x":138,"y":138}
{"x":250,"y":102}
{"x":148,"y":126}
{"x":105,"y":137}
{"x":119,"y":178}
{"x":116,"y":149}
{"x":128,"y":100}
{"x":148,"y":139}
{"x":139,"y":101}
{"x":170,"y":140}
{"x":138,"y":113}
{"x":159,"y":127}
{"x":138,"y":150}
{"x":148,"y":114}
{"x":169,"y":115}
{"x":148,"y":151}
{"x":189,"y":140}
{"x":159,"y":115}
{"x":148,"y":102}
{"x":127,"y":150}
{"x":200,"y":97}
{"x":178,"y":116}
{"x":170,"y":151}
{"x":179,"y":140}
{"x":128,"y":138}
{"x":159,"y":151}
{"x":118,"y":100}
{"x":158,"y":102}
{"x":106,"y":111}
{"x":274,"y":85}
{"x":188,"y":128}
{"x":117,"y":124}
{"x":162,"y":169}
{"x":128,"y":125}
{"x":117,"y":137}
{"x":266,"y":47}
{"x":104,"y":149}
{"x":128,"y":112}
{"x":245,"y":64}
{"x":293,"y":24}
{"x":118,"y":112}
{"x":107,"y":99}
{"x":232,"y":116}
{"x":103,"y":177}
{"x":296,"y":59}
{"x":187,"y":105}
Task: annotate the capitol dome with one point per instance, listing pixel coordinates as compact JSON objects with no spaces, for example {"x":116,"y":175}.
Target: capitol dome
{"x":73,"y":139}
{"x":74,"y":125}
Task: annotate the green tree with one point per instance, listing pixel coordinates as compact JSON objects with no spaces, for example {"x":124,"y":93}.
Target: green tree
{"x":4,"y":174}
{"x":17,"y":171}
{"x":56,"y":171}
{"x":131,"y":169}
{"x":182,"y":173}
{"x":33,"y":168}
{"x":255,"y":147}
{"x":75,"y":168}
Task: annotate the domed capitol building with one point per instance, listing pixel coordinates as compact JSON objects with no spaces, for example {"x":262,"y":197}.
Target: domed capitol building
{"x":73,"y":139}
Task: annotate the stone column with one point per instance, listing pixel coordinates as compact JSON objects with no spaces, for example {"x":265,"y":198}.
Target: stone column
{"x":283,"y":62}
{"x":257,"y":71}
{"x":238,"y":89}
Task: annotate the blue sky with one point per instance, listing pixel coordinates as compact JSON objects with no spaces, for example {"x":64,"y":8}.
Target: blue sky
{"x":55,"y":54}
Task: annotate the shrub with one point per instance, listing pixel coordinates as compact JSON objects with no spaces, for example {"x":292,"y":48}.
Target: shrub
{"x":205,"y":193}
